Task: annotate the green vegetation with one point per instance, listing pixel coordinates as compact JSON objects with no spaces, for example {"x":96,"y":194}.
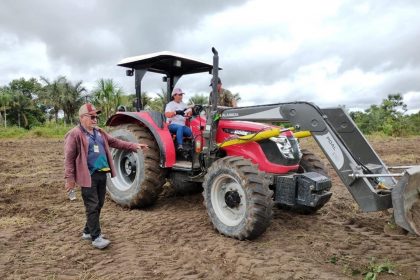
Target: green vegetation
{"x":388,"y":118}
{"x":49,"y":130}
{"x":199,"y":99}
{"x":375,"y":269}
{"x":107,"y":96}
{"x":35,"y":104}
{"x":369,"y":271}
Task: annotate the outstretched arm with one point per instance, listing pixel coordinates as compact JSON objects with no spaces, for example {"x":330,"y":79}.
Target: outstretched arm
{"x":124,"y":145}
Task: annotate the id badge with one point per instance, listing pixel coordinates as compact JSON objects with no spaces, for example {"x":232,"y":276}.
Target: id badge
{"x":96,"y":148}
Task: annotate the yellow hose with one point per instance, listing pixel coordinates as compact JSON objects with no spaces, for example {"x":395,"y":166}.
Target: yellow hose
{"x":302,"y":134}
{"x":274,"y":132}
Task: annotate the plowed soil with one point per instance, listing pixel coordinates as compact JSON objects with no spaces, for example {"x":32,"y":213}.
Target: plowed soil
{"x":40,"y":231}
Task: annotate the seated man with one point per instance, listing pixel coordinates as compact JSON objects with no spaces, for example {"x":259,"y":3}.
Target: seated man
{"x":175,"y":112}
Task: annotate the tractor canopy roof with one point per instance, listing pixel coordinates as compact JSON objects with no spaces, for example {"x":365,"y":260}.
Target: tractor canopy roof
{"x":169,"y":63}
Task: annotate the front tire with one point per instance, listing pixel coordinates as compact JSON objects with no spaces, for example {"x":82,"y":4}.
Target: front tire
{"x":237,"y":197}
{"x":139,"y":179}
{"x":311,"y":163}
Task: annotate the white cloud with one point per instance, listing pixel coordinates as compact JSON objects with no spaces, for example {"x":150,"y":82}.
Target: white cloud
{"x":327,"y":52}
{"x":412,"y":99}
{"x":21,"y":59}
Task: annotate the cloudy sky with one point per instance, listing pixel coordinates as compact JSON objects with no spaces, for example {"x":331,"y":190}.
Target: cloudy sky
{"x":330,"y":52}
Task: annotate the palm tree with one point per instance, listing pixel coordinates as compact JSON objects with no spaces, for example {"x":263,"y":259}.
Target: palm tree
{"x":5,"y":99}
{"x":52,"y":94}
{"x":72,"y":99}
{"x":199,"y":99}
{"x":21,"y":105}
{"x":107,"y":95}
{"x":158,"y":103}
{"x":145,"y":100}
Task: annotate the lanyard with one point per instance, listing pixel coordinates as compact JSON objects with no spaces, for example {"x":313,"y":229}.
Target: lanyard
{"x":93,"y":137}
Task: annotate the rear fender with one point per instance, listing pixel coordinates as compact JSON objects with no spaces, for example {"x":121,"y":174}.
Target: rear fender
{"x":155,"y":122}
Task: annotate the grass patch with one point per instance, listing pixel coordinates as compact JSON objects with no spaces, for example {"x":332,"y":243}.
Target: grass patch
{"x":49,"y":130}
{"x":12,"y":132}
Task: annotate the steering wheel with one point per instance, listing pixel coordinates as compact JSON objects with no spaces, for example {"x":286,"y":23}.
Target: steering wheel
{"x":196,"y":109}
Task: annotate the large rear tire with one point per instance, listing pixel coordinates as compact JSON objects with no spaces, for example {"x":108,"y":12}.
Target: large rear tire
{"x":139,"y":179}
{"x":237,"y":197}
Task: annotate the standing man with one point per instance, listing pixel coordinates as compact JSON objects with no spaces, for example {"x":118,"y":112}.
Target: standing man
{"x":224,"y":96}
{"x":175,"y":112}
{"x":87,"y":160}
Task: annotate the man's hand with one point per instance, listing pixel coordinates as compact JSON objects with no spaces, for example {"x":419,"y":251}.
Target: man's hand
{"x":69,"y":185}
{"x":142,"y":146}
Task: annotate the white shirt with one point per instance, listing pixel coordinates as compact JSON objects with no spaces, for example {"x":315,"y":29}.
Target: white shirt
{"x":174,"y":106}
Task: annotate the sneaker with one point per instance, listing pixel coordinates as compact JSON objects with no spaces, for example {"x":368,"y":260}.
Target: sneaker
{"x":180,"y":148}
{"x":87,"y":236}
{"x":100,"y":242}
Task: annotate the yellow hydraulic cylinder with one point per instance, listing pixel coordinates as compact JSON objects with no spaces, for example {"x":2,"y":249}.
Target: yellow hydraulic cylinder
{"x":302,"y":134}
{"x":274,"y":132}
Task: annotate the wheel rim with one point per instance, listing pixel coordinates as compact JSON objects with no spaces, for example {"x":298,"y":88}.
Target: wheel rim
{"x":228,"y":200}
{"x":126,"y":169}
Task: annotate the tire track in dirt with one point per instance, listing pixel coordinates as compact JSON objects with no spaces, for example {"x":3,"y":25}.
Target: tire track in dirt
{"x":187,"y":249}
{"x":40,"y":233}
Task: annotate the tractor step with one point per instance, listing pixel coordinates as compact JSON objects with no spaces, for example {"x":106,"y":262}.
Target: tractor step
{"x":182,"y":164}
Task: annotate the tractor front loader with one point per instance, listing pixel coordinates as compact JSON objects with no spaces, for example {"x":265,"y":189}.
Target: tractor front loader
{"x":243,"y":165}
{"x":361,"y":170}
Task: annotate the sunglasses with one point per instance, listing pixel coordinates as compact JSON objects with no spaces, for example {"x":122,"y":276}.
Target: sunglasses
{"x":178,"y":94}
{"x":93,"y":117}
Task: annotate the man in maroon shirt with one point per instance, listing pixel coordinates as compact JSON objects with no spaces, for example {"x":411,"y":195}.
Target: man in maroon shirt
{"x":87,"y":160}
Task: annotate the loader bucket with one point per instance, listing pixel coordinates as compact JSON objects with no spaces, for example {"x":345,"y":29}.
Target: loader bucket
{"x":406,"y":200}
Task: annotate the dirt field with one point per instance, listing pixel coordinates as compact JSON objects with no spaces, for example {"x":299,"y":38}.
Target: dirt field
{"x":40,"y":231}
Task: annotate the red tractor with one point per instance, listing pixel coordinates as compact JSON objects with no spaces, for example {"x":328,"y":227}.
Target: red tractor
{"x":245,"y":166}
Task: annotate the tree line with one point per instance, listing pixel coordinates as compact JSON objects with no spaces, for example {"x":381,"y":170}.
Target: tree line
{"x":389,"y":118}
{"x":33,"y":102}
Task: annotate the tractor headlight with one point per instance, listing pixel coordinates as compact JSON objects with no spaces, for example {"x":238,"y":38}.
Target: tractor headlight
{"x":288,"y":147}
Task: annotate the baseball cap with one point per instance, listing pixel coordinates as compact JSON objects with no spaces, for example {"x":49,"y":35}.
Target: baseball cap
{"x":218,"y":81}
{"x":88,"y":108}
{"x":177,"y":91}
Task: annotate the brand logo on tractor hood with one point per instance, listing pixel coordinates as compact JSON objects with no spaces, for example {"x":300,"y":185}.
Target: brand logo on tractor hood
{"x":230,"y":114}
